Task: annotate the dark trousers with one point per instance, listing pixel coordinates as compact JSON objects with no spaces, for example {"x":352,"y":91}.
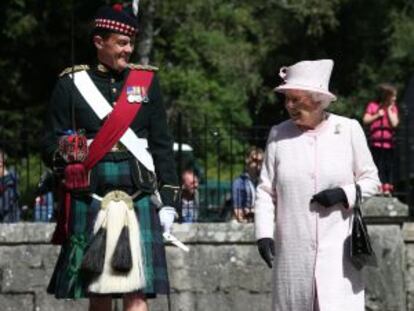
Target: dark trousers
{"x":383,"y":159}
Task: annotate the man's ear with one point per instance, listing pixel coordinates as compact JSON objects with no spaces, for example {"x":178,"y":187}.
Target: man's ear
{"x":98,"y":41}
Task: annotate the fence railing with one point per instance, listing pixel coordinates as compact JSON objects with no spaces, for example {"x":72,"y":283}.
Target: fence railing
{"x":215,"y":153}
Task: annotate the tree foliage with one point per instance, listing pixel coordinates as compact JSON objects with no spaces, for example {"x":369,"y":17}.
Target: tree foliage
{"x":219,"y":59}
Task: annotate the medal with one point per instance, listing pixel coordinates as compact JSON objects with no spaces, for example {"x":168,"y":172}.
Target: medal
{"x":138,"y":96}
{"x":145,"y":98}
{"x":135,"y":94}
{"x":130,"y":94}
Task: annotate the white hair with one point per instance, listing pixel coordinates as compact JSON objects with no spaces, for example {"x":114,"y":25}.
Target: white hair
{"x":320,"y":98}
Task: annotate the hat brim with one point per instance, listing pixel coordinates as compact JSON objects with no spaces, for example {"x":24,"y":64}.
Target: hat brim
{"x":285,"y":87}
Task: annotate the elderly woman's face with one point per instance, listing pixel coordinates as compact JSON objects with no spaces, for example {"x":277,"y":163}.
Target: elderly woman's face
{"x":302,"y":109}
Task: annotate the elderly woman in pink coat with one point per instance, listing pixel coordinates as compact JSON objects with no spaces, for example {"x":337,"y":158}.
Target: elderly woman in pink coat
{"x":306,"y":193}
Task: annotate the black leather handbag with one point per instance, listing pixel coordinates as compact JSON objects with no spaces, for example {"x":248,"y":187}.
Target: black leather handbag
{"x":361,"y":250}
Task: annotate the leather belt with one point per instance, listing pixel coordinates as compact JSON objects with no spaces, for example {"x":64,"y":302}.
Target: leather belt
{"x":118,"y":147}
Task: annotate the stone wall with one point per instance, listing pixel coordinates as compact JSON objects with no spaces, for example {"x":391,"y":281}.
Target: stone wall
{"x":222,"y":271}
{"x":408,"y":235}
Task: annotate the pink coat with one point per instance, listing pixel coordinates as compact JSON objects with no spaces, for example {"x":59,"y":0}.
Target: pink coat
{"x":309,"y":239}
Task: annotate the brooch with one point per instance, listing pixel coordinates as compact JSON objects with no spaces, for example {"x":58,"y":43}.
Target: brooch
{"x":337,"y":128}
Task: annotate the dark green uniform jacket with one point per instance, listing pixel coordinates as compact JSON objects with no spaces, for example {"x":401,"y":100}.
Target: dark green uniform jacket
{"x":150,"y":123}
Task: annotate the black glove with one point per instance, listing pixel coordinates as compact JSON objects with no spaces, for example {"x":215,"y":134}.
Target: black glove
{"x":266,"y":248}
{"x":330,"y":197}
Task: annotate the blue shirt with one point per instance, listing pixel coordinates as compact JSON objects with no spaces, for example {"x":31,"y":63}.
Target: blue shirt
{"x":9,"y":198}
{"x":243,"y":192}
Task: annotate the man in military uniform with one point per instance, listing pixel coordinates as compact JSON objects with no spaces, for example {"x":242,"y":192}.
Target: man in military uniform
{"x":125,"y":168}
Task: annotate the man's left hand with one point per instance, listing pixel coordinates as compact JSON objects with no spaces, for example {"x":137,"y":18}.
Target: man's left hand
{"x":330,"y":197}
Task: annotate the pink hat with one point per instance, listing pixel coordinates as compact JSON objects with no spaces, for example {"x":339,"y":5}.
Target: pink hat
{"x":308,"y":75}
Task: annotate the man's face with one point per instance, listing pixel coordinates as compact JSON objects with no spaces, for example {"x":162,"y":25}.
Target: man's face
{"x":190,"y":182}
{"x":115,"y":50}
{"x":254,"y":163}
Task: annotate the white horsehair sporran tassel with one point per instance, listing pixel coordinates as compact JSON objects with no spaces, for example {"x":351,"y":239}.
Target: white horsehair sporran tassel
{"x":117,"y":210}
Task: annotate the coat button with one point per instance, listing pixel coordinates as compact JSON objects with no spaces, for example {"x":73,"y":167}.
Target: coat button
{"x":114,"y":90}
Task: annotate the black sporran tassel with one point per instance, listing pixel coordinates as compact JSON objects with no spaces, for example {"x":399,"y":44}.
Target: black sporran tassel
{"x":122,"y":257}
{"x":94,"y":258}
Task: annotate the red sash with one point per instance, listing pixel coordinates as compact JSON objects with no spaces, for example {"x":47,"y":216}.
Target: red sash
{"x":119,"y":119}
{"x":110,"y":133}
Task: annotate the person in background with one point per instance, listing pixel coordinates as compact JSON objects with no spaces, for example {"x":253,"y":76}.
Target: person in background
{"x":44,"y":204}
{"x":9,"y":196}
{"x":306,"y":193}
{"x":382,"y":117}
{"x":244,"y":186}
{"x":190,"y":202}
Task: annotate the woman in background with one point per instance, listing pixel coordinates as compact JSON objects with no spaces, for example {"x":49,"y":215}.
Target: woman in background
{"x":382,"y":117}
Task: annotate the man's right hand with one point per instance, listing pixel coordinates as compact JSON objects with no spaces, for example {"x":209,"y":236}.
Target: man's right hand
{"x":167,"y":215}
{"x":266,"y":248}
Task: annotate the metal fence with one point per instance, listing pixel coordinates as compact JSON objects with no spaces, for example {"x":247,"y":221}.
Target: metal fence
{"x":215,"y":153}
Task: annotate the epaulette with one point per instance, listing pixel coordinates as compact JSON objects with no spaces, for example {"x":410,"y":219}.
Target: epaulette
{"x":75,"y":68}
{"x":143,"y":67}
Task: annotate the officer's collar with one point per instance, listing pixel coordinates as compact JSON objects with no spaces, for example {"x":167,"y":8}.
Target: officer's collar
{"x":105,"y":71}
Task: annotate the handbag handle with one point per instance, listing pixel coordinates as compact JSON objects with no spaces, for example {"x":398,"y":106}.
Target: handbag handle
{"x":358,"y":199}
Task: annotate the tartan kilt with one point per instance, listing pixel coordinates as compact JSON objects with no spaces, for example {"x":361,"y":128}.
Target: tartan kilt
{"x":67,"y":280}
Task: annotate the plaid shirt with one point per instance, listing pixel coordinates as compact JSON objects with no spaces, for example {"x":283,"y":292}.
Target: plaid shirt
{"x":190,"y":209}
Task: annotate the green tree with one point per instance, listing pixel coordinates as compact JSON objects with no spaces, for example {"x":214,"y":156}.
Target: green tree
{"x":218,"y":59}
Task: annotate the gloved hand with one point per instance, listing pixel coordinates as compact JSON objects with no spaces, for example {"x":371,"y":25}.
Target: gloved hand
{"x":330,"y":197}
{"x":266,"y":248}
{"x":167,"y":215}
